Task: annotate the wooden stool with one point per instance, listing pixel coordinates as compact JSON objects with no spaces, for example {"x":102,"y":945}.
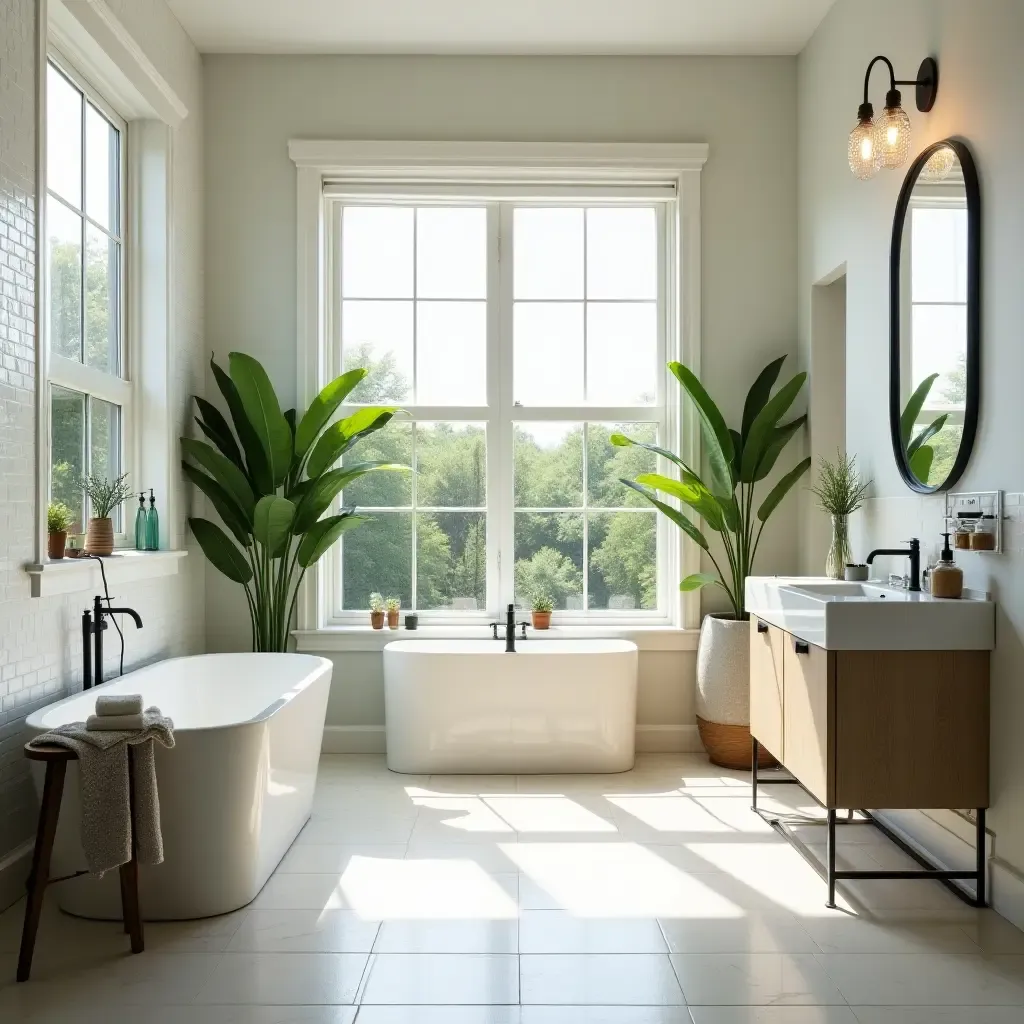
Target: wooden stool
{"x":56,"y":760}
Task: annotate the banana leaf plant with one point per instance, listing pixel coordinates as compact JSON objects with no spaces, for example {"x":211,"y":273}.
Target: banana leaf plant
{"x":271,"y":479}
{"x":919,"y":453}
{"x":737,"y":461}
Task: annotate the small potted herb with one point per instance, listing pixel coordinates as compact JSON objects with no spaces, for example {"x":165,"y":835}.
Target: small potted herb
{"x":104,"y":497}
{"x":392,"y":605}
{"x":542,"y":605}
{"x":58,"y":519}
{"x":840,"y":492}
{"x":376,"y":610}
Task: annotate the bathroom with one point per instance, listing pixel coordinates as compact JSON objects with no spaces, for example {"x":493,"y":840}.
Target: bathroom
{"x":655,"y":895}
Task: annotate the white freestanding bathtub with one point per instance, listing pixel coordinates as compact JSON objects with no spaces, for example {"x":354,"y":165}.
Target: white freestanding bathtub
{"x":234,"y":791}
{"x":465,"y":706}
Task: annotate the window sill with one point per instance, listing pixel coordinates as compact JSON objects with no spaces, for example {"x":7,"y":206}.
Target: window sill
{"x":364,"y":638}
{"x":75,"y":575}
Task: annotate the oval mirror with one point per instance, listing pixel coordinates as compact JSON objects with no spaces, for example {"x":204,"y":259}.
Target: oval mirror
{"x":934,"y":317}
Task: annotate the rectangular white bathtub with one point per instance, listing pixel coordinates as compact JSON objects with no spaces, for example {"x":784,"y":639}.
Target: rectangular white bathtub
{"x":466,"y":706}
{"x":234,"y":791}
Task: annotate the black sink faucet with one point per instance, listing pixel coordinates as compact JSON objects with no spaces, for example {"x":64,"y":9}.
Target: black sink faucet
{"x":913,"y":553}
{"x":510,"y":629}
{"x":93,"y":625}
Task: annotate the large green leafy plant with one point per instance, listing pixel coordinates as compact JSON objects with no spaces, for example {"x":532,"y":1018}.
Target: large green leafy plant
{"x":272,"y":479}
{"x":920,"y":454}
{"x":737,"y":461}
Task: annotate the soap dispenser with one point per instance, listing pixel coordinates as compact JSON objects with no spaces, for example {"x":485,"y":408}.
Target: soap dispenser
{"x":152,"y":525}
{"x":140,"y":523}
{"x":947,"y":577}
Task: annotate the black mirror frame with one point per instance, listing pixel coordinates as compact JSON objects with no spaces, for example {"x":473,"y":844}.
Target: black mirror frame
{"x":973,"y":361}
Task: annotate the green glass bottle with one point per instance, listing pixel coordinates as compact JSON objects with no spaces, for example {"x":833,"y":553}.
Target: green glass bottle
{"x":141,"y":520}
{"x":152,"y":525}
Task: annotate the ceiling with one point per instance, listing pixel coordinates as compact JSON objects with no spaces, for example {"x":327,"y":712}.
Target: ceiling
{"x":501,"y":26}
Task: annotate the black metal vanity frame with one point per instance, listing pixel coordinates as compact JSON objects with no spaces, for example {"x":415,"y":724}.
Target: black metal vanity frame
{"x":783,"y":824}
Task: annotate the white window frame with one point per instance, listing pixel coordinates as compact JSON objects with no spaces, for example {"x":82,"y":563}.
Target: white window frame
{"x":74,"y":375}
{"x":548,"y":170}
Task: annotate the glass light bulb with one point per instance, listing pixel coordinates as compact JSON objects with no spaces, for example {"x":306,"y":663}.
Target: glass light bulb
{"x":892,"y":137}
{"x":862,"y":150}
{"x":939,"y":164}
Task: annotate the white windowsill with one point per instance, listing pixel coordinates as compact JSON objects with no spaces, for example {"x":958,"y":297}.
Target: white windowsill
{"x":364,"y":638}
{"x":74,"y":575}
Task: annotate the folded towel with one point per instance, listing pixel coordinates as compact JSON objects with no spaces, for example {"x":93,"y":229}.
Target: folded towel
{"x":103,"y":781}
{"x":115,"y":723}
{"x":119,"y":704}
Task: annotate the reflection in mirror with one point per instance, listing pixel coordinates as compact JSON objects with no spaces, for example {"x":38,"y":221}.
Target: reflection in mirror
{"x":931,"y":320}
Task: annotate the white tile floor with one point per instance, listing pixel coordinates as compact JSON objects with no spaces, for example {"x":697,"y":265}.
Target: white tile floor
{"x":654,"y":897}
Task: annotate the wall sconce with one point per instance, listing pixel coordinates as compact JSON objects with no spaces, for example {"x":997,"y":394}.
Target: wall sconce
{"x":886,"y":142}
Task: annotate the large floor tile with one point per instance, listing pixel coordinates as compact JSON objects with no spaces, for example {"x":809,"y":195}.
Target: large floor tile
{"x":926,"y":979}
{"x":439,"y":1015}
{"x":994,"y":934}
{"x":772,"y":1015}
{"x":605,"y":1015}
{"x":629,"y":979}
{"x":349,"y":831}
{"x":496,"y":856}
{"x":846,"y":933}
{"x":454,"y":936}
{"x":323,"y":858}
{"x":555,"y":931}
{"x":301,"y":892}
{"x":285,"y":978}
{"x":749,"y":933}
{"x":246,"y":1015}
{"x":304,"y":931}
{"x":937,"y":1014}
{"x":754,"y":979}
{"x":440,"y":978}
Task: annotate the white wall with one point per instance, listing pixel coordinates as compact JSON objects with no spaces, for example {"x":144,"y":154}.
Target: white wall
{"x":978,"y":46}
{"x":742,"y":107}
{"x":40,"y":657}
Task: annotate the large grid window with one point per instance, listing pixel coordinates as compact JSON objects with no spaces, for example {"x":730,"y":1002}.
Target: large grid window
{"x":89,"y":393}
{"x":518,"y":336}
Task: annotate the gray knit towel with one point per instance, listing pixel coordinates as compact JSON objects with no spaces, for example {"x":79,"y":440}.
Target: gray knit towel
{"x":103,"y":781}
{"x":115,"y":723}
{"x":119,"y":704}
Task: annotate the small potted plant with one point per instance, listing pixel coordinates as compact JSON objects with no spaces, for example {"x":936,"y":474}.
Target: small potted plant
{"x":376,"y":610}
{"x":391,"y":605}
{"x":58,"y":519}
{"x":104,"y":497}
{"x":542,"y":605}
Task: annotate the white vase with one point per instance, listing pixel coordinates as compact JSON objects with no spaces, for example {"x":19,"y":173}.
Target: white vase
{"x":723,"y":691}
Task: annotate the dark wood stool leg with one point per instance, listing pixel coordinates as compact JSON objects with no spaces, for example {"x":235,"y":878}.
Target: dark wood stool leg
{"x":53,"y":789}
{"x":130,"y":872}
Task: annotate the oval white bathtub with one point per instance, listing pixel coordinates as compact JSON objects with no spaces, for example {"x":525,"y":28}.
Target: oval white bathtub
{"x":465,"y":706}
{"x":234,"y":791}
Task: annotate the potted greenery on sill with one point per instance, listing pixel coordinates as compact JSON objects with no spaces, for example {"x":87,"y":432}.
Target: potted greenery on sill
{"x":104,"y":497}
{"x":58,"y":521}
{"x":541,"y":611}
{"x":738,"y":460}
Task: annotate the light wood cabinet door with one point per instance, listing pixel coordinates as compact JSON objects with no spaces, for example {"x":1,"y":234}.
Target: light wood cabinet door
{"x":766,"y":654}
{"x":809,"y":734}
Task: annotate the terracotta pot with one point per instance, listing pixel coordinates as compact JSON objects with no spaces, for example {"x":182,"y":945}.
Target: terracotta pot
{"x":541,"y":620}
{"x":377,"y":620}
{"x":99,"y":537}
{"x":392,"y":619}
{"x":723,"y":690}
{"x":56,"y":541}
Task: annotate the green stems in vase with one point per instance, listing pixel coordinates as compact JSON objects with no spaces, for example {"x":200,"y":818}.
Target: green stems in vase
{"x":840,"y":492}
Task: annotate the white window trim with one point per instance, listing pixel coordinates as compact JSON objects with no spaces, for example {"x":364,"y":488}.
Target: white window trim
{"x":437,"y":163}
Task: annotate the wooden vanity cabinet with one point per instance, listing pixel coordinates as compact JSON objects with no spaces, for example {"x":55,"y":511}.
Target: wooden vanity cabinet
{"x":893,"y":729}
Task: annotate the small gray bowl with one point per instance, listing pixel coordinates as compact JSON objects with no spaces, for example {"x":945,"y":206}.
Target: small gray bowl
{"x":857,"y":573}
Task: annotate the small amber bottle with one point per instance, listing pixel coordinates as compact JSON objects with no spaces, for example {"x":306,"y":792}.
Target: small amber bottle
{"x":947,"y":577}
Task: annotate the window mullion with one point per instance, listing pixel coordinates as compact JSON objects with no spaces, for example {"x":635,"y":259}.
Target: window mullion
{"x":506,"y":455}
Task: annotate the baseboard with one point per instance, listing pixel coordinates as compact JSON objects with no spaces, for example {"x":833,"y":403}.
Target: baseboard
{"x":14,"y":869}
{"x":369,"y":739}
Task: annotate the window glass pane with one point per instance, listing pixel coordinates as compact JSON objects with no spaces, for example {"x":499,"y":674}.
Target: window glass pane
{"x":939,"y":247}
{"x":378,"y":337}
{"x":63,"y":137}
{"x":451,"y":253}
{"x":451,"y":465}
{"x":607,"y":464}
{"x":548,"y":465}
{"x":548,"y":254}
{"x":376,"y":252}
{"x":101,"y":301}
{"x":939,"y":346}
{"x":451,"y":560}
{"x":549,"y":558}
{"x":622,"y":560}
{"x":622,"y":254}
{"x":622,"y":353}
{"x":102,"y":179}
{"x":64,"y":253}
{"x":451,"y":353}
{"x":547,"y":353}
{"x":382,"y":488}
{"x":105,"y":445}
{"x":377,"y":556}
{"x":67,"y":461}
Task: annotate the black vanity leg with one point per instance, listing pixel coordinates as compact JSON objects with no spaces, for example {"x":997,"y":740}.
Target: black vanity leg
{"x":980,"y":894}
{"x":830,"y":853}
{"x":755,"y":752}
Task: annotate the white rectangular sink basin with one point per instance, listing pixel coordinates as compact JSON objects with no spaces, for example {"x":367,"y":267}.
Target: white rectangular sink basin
{"x":843,"y":616}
